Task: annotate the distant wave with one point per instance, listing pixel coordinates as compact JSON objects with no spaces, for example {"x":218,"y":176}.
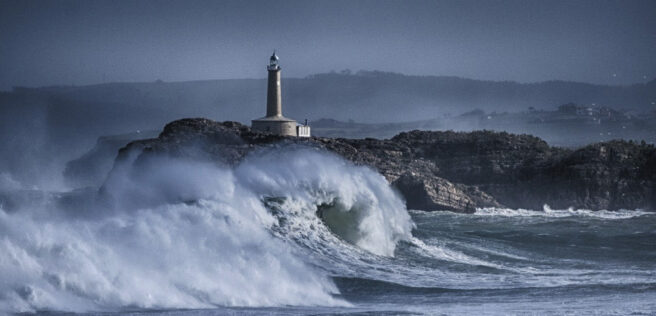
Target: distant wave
{"x":548,"y":212}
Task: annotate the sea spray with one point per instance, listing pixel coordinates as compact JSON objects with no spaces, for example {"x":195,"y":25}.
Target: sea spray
{"x":199,"y":255}
{"x":182,"y":234}
{"x":355,"y":202}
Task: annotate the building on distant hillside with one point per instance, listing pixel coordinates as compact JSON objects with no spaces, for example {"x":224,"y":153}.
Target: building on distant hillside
{"x":274,"y":122}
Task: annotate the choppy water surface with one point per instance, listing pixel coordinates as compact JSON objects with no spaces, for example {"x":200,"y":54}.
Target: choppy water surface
{"x":302,"y":232}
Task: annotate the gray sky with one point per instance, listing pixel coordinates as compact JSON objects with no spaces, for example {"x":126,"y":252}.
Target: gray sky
{"x":82,"y":42}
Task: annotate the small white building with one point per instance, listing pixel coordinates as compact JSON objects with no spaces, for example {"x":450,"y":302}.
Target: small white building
{"x":302,"y":131}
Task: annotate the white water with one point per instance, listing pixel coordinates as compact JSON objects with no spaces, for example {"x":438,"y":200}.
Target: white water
{"x":222,"y":247}
{"x":549,"y":212}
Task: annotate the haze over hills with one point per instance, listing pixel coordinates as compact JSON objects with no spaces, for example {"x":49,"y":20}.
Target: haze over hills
{"x":366,"y":96}
{"x":64,"y":122}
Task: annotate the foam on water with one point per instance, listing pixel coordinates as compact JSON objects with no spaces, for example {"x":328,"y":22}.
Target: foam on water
{"x":549,"y":212}
{"x":179,"y":255}
{"x":444,"y":253}
{"x":194,"y":235}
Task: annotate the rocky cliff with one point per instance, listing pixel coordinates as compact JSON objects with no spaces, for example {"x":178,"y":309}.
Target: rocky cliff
{"x":453,"y":171}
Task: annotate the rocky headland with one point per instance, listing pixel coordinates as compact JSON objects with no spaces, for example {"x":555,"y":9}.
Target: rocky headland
{"x":455,"y":171}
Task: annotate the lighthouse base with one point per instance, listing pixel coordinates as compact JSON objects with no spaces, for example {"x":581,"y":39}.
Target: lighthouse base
{"x":275,"y":125}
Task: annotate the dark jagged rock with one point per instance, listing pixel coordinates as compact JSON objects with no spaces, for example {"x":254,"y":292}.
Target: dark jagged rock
{"x":434,"y":193}
{"x":523,"y":171}
{"x":454,"y":171}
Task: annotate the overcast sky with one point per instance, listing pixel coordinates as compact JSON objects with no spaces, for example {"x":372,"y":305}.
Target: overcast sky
{"x":84,"y":42}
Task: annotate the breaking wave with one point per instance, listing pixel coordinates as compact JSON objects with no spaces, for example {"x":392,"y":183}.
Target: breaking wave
{"x":176,"y":234}
{"x":569,"y":212}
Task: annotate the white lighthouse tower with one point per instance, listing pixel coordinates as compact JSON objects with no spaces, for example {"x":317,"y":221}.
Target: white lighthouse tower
{"x":274,"y":122}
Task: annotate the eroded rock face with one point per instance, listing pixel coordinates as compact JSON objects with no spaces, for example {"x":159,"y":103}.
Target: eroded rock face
{"x":447,"y":170}
{"x":523,"y":171}
{"x":432,"y":193}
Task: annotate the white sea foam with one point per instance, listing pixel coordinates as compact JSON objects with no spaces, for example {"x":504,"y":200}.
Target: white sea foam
{"x":178,"y":255}
{"x":441,"y":252}
{"x":193,"y":235}
{"x":549,"y":212}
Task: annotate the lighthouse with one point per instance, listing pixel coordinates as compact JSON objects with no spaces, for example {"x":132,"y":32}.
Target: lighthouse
{"x":274,"y":122}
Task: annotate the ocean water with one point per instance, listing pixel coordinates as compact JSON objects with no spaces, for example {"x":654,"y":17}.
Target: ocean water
{"x":300,"y":231}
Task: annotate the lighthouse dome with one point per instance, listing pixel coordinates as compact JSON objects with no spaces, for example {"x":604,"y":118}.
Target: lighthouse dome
{"x":273,"y":62}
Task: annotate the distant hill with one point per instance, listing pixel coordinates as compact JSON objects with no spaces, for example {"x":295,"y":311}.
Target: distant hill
{"x":390,"y":97}
{"x":569,"y":125}
{"x":65,"y":121}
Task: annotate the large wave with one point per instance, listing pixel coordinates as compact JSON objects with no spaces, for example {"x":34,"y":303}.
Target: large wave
{"x":180,"y":234}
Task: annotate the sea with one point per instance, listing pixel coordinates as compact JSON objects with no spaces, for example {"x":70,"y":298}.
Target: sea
{"x":303,"y":232}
